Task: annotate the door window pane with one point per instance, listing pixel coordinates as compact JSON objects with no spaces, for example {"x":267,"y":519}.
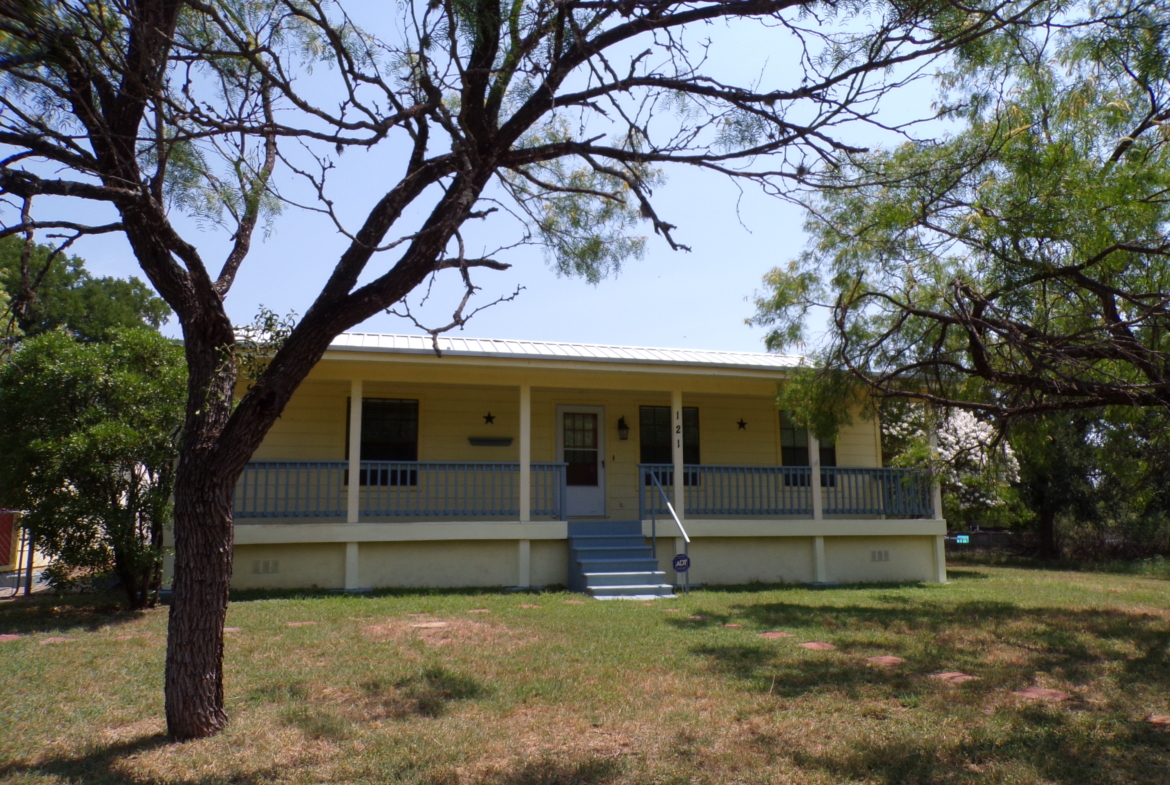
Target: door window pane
{"x":580,"y":435}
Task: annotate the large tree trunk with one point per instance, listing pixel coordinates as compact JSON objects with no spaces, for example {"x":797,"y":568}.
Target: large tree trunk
{"x":203,"y":571}
{"x":1046,"y":532}
{"x":204,"y":485}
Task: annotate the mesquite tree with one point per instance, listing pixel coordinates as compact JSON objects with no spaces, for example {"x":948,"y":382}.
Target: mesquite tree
{"x":1019,"y":266}
{"x":556,"y":118}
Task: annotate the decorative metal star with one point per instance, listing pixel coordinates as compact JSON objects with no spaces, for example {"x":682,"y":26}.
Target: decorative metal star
{"x":742,"y":424}
{"x":489,"y":419}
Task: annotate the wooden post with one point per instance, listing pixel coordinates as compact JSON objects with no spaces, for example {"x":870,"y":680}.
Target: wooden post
{"x":353,"y":497}
{"x":676,"y":452}
{"x":352,"y":581}
{"x":819,"y":571}
{"x":814,"y":483}
{"x":525,"y":554}
{"x":935,"y":485}
{"x":525,"y":456}
{"x":940,"y":558}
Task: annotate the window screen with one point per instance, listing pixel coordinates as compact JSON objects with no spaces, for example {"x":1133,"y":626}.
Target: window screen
{"x":656,"y":433}
{"x":389,"y":433}
{"x":794,"y":450}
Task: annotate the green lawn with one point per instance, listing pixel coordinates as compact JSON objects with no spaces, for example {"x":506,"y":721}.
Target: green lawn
{"x":476,"y":688}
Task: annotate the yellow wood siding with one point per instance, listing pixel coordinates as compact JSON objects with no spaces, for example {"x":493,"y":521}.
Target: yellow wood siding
{"x":313,"y":425}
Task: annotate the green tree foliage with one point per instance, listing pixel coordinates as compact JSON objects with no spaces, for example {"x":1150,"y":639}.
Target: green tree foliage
{"x":1019,"y":265}
{"x":57,"y":291}
{"x":88,"y":445}
{"x":1095,"y":482}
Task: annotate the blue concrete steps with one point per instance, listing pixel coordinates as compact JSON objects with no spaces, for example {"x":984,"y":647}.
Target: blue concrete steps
{"x":611,"y":560}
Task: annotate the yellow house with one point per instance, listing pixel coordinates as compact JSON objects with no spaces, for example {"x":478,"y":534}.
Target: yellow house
{"x":519,"y":463}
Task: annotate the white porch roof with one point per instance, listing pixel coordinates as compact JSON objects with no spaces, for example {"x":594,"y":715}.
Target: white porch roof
{"x":580,"y":352}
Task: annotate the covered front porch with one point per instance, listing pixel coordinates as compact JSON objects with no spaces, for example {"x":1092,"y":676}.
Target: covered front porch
{"x":397,"y":467}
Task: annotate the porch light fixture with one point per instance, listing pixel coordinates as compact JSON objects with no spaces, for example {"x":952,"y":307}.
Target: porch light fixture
{"x":623,"y":428}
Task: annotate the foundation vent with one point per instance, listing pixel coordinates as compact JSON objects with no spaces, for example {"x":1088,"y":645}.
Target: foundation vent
{"x":879,"y":555}
{"x":265,"y":566}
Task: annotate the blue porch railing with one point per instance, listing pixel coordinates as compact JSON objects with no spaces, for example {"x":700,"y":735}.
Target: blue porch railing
{"x":730,"y":490}
{"x":899,"y":493}
{"x":291,"y":489}
{"x":785,"y":490}
{"x":317,"y":489}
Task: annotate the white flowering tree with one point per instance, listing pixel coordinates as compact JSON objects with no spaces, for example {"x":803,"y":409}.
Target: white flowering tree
{"x":975,"y":466}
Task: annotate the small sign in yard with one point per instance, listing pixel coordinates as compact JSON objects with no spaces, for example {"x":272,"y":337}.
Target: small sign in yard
{"x":682,"y":562}
{"x":962,"y":539}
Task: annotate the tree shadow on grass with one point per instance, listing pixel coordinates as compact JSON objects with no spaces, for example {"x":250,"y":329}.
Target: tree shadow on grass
{"x":428,"y":693}
{"x":86,"y":612}
{"x":101,"y":765}
{"x":1002,"y":643}
{"x":766,"y":670}
{"x":1031,"y":743}
{"x":548,"y":771}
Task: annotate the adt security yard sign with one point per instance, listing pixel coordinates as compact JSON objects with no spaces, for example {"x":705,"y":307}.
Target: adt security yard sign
{"x":682,"y":562}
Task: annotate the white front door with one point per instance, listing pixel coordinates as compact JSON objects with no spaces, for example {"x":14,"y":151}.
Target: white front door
{"x":581,"y":444}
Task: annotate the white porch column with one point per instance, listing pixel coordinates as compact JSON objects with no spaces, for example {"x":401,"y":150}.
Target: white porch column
{"x":940,"y":558}
{"x":676,"y":452}
{"x":819,"y":560}
{"x":814,"y":483}
{"x":525,"y":460}
{"x":353,"y":498}
{"x":935,"y":485}
{"x":352,"y":582}
{"x":524,"y":579}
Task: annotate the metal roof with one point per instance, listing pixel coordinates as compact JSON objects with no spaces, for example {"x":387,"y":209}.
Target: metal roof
{"x":547,"y":350}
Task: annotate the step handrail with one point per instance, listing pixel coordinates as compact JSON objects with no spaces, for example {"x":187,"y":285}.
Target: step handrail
{"x":654,"y":529}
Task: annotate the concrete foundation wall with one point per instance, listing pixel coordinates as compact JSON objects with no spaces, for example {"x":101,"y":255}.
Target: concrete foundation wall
{"x":715,"y":561}
{"x":291,"y":566}
{"x":879,"y":559}
{"x":736,"y":560}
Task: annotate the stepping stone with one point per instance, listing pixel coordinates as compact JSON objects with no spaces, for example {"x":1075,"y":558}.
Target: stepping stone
{"x":697,"y":618}
{"x":733,"y":626}
{"x":674,"y":610}
{"x":479,"y":610}
{"x":888,"y":660}
{"x":775,"y":634}
{"x":954,"y":677}
{"x":574,"y":602}
{"x":56,"y":640}
{"x":429,"y":625}
{"x":231,"y":629}
{"x":1042,"y":694}
{"x":1158,"y":719}
{"x":530,"y":606}
{"x":301,"y":623}
{"x":128,"y":637}
{"x":8,"y":636}
{"x":817,"y":646}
